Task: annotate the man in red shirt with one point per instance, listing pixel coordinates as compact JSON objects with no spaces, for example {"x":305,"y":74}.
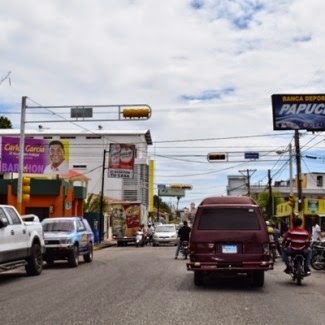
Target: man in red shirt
{"x":296,"y":240}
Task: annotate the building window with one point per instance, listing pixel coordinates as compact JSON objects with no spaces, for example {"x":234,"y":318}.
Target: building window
{"x":319,"y":181}
{"x":96,"y":137}
{"x":79,"y":166}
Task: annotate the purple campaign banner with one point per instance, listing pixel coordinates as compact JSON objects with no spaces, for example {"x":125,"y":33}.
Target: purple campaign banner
{"x":35,"y":155}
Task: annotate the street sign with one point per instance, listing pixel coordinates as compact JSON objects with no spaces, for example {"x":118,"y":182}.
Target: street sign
{"x":161,"y":186}
{"x":252,"y":155}
{"x":171,"y":192}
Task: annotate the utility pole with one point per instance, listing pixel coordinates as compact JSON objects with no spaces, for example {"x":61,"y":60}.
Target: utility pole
{"x":290,"y":168}
{"x":270,"y":203}
{"x":248,"y":175}
{"x":299,"y":180}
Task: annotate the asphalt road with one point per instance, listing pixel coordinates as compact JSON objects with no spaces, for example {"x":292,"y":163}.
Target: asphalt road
{"x":128,"y":285}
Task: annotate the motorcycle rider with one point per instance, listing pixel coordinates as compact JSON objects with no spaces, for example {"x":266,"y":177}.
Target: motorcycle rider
{"x":183,"y":234}
{"x":150,"y":232}
{"x":296,"y":240}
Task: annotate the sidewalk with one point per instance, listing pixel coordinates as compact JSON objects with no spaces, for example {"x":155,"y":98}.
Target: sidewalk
{"x":105,"y":244}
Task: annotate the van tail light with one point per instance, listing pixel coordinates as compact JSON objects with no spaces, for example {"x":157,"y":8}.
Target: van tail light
{"x":199,"y":247}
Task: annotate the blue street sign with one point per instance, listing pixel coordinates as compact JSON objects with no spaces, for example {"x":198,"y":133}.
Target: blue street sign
{"x":252,"y":155}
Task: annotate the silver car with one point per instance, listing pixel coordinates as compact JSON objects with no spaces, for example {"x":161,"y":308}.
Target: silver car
{"x":165,"y":234}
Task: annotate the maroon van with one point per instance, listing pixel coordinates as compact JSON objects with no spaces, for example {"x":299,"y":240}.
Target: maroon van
{"x":229,"y":236}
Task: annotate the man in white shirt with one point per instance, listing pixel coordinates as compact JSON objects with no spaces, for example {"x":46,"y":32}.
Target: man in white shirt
{"x":315,"y":233}
{"x":58,"y":164}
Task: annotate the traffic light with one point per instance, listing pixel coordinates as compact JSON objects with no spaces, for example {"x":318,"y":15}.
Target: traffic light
{"x":217,"y":156}
{"x":26,"y":188}
{"x":181,"y":186}
{"x":292,"y":200}
{"x":143,"y":112}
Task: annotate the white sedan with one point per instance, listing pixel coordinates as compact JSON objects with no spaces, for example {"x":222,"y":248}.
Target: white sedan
{"x":165,"y":234}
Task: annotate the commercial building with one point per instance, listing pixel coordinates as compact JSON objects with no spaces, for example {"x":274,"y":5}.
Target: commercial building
{"x":88,"y":151}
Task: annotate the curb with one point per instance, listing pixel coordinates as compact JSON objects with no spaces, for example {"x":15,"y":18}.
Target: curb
{"x":105,"y":244}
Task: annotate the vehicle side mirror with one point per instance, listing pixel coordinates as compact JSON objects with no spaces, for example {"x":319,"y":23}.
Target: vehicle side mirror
{"x":3,"y":223}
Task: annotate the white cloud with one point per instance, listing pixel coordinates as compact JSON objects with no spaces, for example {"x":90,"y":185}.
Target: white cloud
{"x":207,"y":68}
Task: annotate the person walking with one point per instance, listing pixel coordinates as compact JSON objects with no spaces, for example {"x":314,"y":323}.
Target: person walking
{"x":315,"y":232}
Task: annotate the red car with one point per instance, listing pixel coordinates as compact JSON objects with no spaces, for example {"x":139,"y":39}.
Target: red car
{"x":229,"y":236}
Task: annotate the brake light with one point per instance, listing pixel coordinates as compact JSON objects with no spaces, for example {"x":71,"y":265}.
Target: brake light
{"x":202,"y":246}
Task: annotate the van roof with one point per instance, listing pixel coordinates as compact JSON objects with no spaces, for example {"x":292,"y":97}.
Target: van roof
{"x":222,"y":200}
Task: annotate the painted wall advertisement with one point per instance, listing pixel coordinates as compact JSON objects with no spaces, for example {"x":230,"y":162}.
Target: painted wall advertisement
{"x":121,"y":160}
{"x":125,"y":219}
{"x":299,"y":112}
{"x":40,"y":156}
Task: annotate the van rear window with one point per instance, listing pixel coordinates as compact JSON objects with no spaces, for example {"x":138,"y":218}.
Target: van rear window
{"x":228,"y":219}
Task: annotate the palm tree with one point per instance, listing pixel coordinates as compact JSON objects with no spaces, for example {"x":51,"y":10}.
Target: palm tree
{"x":93,"y":203}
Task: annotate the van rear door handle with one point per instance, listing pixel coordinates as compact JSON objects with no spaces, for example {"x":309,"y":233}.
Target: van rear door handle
{"x":12,"y":232}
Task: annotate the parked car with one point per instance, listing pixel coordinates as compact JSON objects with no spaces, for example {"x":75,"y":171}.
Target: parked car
{"x":165,"y":234}
{"x":229,"y":237}
{"x":21,"y":241}
{"x":66,"y":238}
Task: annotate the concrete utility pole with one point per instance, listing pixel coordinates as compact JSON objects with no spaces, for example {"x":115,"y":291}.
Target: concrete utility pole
{"x":270,"y":203}
{"x":299,"y":180}
{"x":248,"y":175}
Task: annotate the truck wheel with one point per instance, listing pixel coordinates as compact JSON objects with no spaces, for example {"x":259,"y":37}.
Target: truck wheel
{"x":258,"y":278}
{"x":73,"y":258}
{"x":198,"y":278}
{"x":89,"y":256}
{"x":35,"y":261}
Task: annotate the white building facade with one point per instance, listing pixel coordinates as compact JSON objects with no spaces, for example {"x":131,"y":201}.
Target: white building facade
{"x":89,"y":149}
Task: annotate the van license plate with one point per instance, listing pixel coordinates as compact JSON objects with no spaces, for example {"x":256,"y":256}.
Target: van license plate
{"x":229,"y":249}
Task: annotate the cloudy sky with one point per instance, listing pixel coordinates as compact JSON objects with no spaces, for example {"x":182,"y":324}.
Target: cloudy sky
{"x":207,"y":68}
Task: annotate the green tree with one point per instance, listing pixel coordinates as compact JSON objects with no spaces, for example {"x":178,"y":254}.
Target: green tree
{"x":163,"y":206}
{"x":5,"y":123}
{"x":93,"y":203}
{"x":269,"y":207}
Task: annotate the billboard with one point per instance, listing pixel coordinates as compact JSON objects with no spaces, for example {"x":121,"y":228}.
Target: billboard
{"x":121,"y":160}
{"x":41,"y":156}
{"x":298,"y":112}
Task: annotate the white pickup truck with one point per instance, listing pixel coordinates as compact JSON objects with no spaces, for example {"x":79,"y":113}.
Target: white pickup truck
{"x":21,"y":241}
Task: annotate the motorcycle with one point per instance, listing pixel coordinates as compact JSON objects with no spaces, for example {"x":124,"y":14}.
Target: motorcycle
{"x":318,"y":256}
{"x":139,"y":239}
{"x":297,"y":264}
{"x":185,"y":249}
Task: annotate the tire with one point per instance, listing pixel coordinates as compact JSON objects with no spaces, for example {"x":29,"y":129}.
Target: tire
{"x":198,"y":278}
{"x":317,"y":262}
{"x":35,"y":261}
{"x":73,"y":258}
{"x":258,"y":278}
{"x":299,"y":273}
{"x":88,"y":258}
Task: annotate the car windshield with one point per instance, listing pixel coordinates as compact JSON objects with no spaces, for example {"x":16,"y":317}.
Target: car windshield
{"x":165,"y":229}
{"x":66,"y":226}
{"x":228,"y":219}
